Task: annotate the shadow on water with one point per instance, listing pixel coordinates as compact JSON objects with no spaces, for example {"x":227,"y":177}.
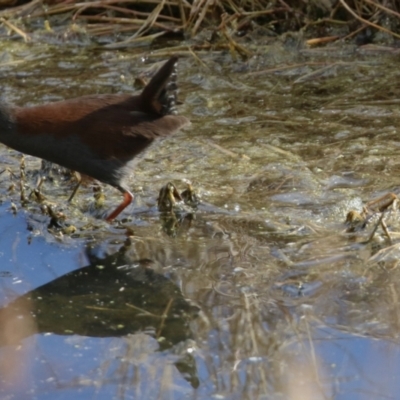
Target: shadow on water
{"x":263,"y":293}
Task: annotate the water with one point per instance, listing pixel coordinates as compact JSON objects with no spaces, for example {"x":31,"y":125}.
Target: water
{"x":262,"y":295}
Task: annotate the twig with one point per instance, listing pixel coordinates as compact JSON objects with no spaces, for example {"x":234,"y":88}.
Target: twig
{"x":376,"y":26}
{"x":388,"y":10}
{"x":225,"y":151}
{"x":18,"y":31}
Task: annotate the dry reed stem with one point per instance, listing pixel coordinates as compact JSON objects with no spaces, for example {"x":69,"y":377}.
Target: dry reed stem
{"x":18,"y":31}
{"x":201,"y":16}
{"x":326,"y":39}
{"x":106,"y":29}
{"x":102,"y":18}
{"x":108,"y":5}
{"x":150,"y":21}
{"x":222,"y":149}
{"x":134,"y":41}
{"x":15,"y":12}
{"x":197,"y":58}
{"x":388,"y":10}
{"x":124,"y":11}
{"x":225,"y":17}
{"x":376,"y":26}
{"x":164,"y":316}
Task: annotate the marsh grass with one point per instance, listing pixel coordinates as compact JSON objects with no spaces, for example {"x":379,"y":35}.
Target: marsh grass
{"x":226,"y":22}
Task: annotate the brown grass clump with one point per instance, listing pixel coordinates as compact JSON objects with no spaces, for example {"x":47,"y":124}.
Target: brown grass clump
{"x":227,"y":20}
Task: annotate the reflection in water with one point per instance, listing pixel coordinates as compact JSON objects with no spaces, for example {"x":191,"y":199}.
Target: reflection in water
{"x":112,"y":297}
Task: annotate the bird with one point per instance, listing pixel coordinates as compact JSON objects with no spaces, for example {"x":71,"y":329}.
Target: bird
{"x":97,"y":135}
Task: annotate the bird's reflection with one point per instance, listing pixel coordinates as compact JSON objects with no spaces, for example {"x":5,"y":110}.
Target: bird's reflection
{"x":112,"y":297}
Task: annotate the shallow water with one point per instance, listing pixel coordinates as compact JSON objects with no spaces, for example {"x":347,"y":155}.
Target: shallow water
{"x":262,"y":295}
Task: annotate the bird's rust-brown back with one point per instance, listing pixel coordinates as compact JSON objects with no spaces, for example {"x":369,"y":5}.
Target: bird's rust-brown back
{"x":112,"y":126}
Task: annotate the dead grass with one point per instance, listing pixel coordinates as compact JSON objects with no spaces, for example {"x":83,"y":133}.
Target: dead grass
{"x":225,"y":21}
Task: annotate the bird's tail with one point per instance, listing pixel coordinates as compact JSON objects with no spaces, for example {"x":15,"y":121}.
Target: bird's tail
{"x":160,"y":95}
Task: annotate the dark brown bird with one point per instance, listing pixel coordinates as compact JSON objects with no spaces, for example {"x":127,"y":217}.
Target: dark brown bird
{"x":97,"y":135}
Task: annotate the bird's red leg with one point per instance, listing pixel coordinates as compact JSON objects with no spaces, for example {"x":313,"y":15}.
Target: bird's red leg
{"x":128,"y":197}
